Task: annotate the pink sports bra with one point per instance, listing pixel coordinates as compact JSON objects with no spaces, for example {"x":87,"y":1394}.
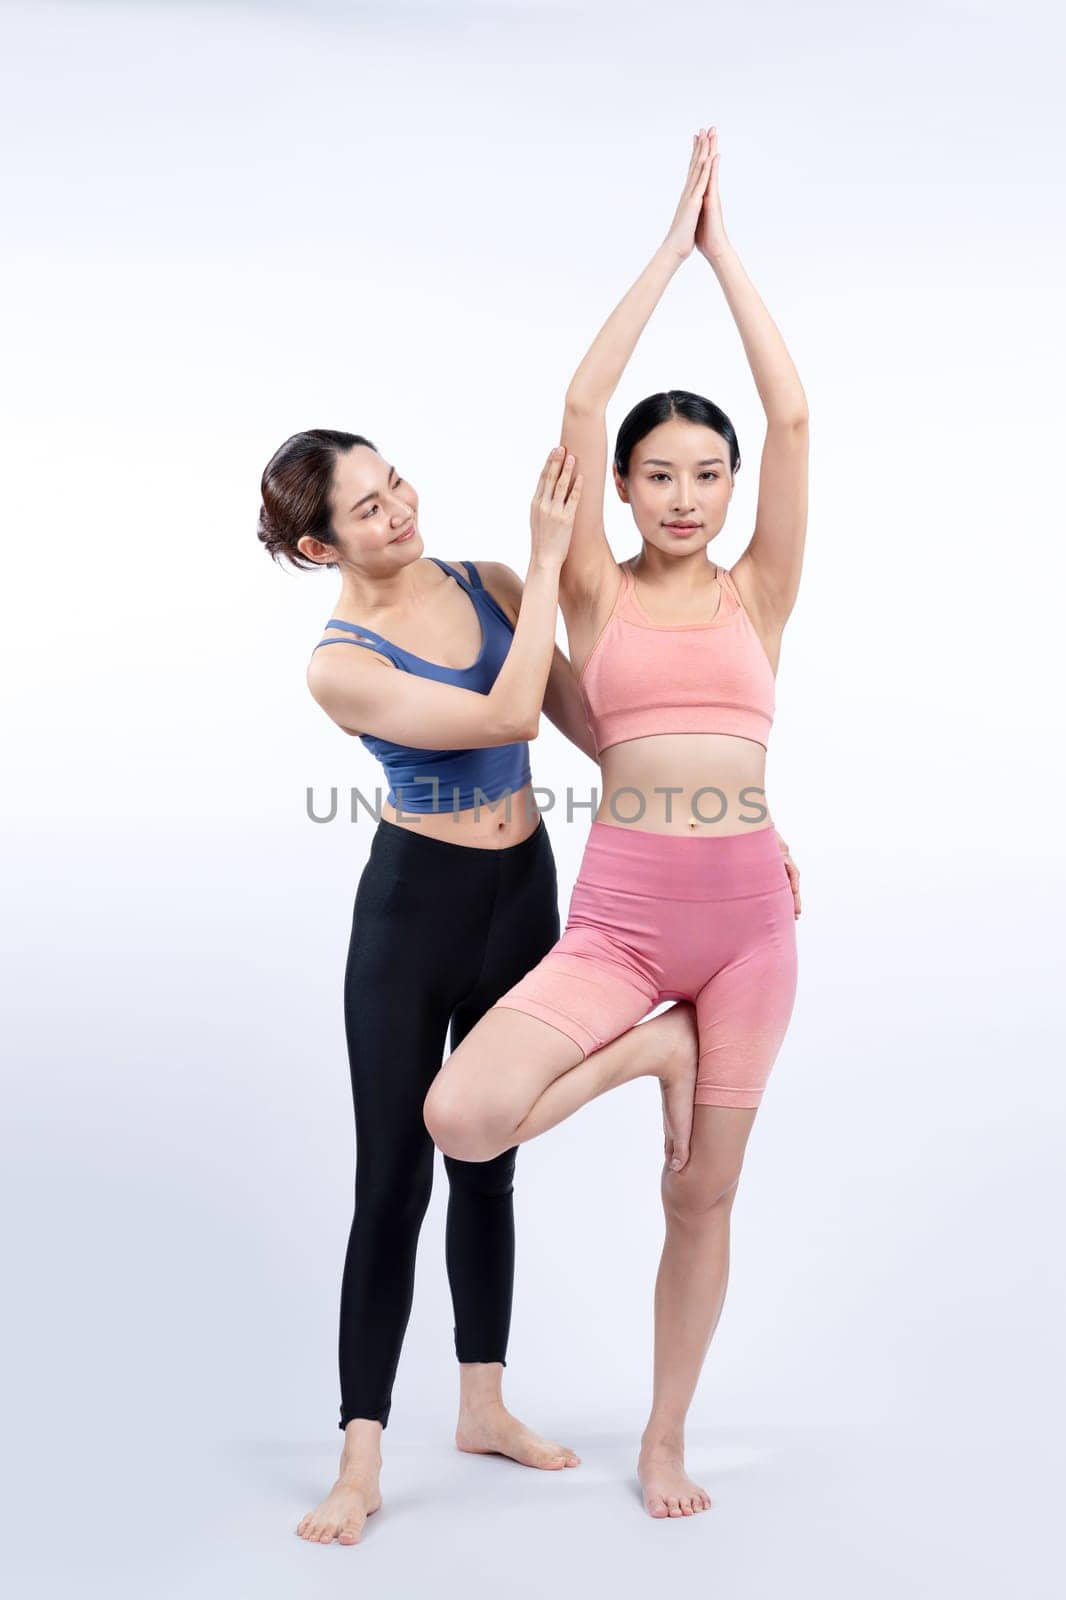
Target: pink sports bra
{"x":643,"y":677}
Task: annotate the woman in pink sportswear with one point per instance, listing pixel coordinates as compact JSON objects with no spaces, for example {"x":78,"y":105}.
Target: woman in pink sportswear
{"x":682,"y":892}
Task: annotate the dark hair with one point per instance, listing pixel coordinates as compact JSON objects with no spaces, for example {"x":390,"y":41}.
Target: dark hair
{"x":295,"y":491}
{"x":648,"y":414}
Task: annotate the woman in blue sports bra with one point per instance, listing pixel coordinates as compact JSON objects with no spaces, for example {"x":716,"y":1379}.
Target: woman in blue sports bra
{"x":457,"y":901}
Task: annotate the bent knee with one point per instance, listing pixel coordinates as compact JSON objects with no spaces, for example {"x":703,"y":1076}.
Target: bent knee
{"x":459,"y":1126}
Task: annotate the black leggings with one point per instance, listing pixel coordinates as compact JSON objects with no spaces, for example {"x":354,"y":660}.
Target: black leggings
{"x":439,"y":932}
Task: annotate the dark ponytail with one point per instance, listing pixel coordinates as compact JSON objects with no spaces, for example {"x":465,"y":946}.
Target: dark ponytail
{"x":295,"y":492}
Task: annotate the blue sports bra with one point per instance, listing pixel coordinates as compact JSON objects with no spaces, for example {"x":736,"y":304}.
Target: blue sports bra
{"x":449,"y":780}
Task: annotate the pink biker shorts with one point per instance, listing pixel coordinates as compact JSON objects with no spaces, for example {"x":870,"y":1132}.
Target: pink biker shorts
{"x":657,"y":916}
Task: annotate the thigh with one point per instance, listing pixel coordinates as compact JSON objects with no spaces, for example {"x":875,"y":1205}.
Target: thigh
{"x":581,"y":995}
{"x":524,"y":926}
{"x":503,"y":1064}
{"x":743,"y":1011}
{"x":396,"y":1010}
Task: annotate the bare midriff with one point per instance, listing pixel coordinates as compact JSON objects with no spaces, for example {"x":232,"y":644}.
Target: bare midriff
{"x":491,"y":826}
{"x":684,"y":783}
{"x":688,"y":783}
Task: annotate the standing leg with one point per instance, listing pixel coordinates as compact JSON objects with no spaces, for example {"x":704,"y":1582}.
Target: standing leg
{"x":522,"y":924}
{"x":743,"y":1012}
{"x":480,"y":1253}
{"x":396,"y":1026}
{"x":689,"y":1293}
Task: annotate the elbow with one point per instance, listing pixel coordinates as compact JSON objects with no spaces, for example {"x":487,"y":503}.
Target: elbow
{"x":583,"y":403}
{"x":518,"y":728}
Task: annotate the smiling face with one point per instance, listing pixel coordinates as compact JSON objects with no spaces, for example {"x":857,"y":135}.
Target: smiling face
{"x":371,"y":504}
{"x":678,"y":473}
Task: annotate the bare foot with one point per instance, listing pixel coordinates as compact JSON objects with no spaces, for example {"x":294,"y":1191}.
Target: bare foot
{"x":354,"y":1497}
{"x":491,"y":1430}
{"x":678,"y":1037}
{"x":668,"y":1489}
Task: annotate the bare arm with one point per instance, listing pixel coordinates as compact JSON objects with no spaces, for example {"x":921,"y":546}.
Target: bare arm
{"x":562,"y":699}
{"x":589,"y":559}
{"x":361,"y":693}
{"x":771,"y":564}
{"x":564,"y":707}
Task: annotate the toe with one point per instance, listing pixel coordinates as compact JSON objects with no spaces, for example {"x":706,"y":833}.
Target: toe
{"x":675,"y":1508}
{"x":657,"y":1506}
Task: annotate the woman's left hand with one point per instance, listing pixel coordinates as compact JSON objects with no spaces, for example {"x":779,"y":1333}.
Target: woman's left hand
{"x":711,"y":238}
{"x":681,"y":234}
{"x":793,"y":873}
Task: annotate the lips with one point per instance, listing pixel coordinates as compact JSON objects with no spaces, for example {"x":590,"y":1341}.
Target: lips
{"x":682,"y":527}
{"x":405,"y":534}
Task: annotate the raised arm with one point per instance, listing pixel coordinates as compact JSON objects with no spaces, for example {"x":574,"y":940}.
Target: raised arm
{"x":563,"y":705}
{"x":589,"y":558}
{"x":364,"y":696}
{"x":771,"y":564}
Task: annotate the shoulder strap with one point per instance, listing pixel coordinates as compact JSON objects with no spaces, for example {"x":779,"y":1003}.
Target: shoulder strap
{"x":373,"y":641}
{"x":453,"y":572}
{"x":477,"y":591}
{"x":729,"y":588}
{"x":367,"y":644}
{"x":355,"y":627}
{"x":626,"y":590}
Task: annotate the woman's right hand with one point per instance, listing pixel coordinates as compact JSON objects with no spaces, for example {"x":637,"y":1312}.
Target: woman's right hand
{"x":551,"y":515}
{"x":681,"y":235}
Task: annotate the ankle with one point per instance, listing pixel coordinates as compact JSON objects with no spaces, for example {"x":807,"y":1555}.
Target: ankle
{"x":362,"y":1448}
{"x":479,"y":1405}
{"x":673,"y":1041}
{"x":358,"y":1466}
{"x":662,"y":1440}
{"x":480,"y":1387}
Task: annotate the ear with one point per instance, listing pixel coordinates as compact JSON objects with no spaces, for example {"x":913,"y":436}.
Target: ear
{"x":314,"y":550}
{"x":620,"y":485}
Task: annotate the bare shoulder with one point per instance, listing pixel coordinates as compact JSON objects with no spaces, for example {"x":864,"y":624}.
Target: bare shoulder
{"x":329,"y":663}
{"x":332,"y":670}
{"x":502,"y":582}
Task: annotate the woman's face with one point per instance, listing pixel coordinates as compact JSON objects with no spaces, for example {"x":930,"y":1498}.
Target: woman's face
{"x":678,"y":473}
{"x":371,"y":506}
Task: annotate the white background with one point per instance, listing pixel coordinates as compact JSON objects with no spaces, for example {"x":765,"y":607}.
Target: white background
{"x":226,"y":223}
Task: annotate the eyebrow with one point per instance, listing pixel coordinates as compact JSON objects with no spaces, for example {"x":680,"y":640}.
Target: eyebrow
{"x":708,"y":461}
{"x":371,"y":496}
